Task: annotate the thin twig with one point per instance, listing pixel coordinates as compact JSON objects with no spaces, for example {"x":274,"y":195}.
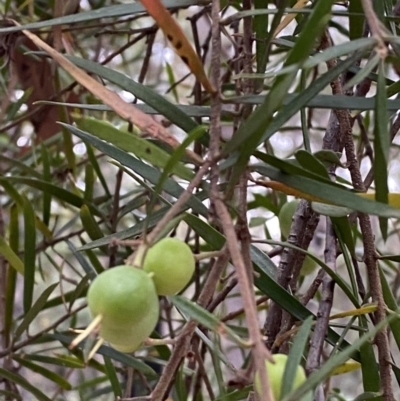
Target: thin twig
{"x":184,"y":340}
{"x":325,"y":306}
{"x":31,"y":339}
{"x":375,"y":27}
{"x":260,"y":352}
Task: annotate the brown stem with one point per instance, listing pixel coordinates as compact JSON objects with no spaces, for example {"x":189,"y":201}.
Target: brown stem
{"x":184,"y":340}
{"x":260,"y":353}
{"x":321,"y":327}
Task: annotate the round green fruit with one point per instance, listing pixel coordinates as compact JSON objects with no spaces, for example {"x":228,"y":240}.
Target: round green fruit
{"x":275,"y":373}
{"x":130,"y":338}
{"x":172,"y":264}
{"x":309,"y":265}
{"x":127,"y":301}
{"x":285,"y":216}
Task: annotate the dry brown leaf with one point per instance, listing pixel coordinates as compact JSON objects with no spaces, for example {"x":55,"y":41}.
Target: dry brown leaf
{"x":126,"y":110}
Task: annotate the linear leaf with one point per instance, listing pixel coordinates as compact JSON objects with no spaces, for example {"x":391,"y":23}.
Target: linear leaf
{"x":112,"y":376}
{"x":17,"y":379}
{"x":295,"y":356}
{"x":94,"y":15}
{"x":381,"y":146}
{"x":144,"y":170}
{"x":46,"y":373}
{"x":330,"y":193}
{"x":65,"y":361}
{"x":265,"y":278}
{"x":130,"y":142}
{"x":324,"y":371}
{"x":34,"y":311}
{"x":157,"y":102}
{"x":252,"y":130}
{"x":60,"y":193}
{"x":113,"y":354}
{"x":29,"y":253}
{"x":369,"y":366}
{"x":11,"y":257}
{"x":193,"y":311}
{"x":391,"y":303}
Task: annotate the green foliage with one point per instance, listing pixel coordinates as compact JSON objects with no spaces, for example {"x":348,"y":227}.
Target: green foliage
{"x":79,"y":196}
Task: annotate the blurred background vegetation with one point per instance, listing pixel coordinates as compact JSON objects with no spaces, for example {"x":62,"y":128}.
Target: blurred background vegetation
{"x":294,"y":113}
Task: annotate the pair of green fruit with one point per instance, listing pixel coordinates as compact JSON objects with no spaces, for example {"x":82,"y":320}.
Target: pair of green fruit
{"x":126,"y":297}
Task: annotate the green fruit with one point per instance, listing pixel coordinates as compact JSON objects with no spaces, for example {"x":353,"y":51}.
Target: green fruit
{"x":127,"y":301}
{"x":275,"y":373}
{"x":172,"y":264}
{"x":309,"y":265}
{"x":285,"y":216}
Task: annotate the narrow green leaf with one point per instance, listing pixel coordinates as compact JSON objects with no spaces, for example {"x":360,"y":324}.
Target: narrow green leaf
{"x":137,"y":229}
{"x":193,"y":311}
{"x":381,"y":146}
{"x":90,"y":180}
{"x":172,"y":81}
{"x":330,"y":192}
{"x":79,"y":290}
{"x":65,"y":361}
{"x":189,"y":110}
{"x":29,"y":253}
{"x":10,"y":395}
{"x":130,"y":142}
{"x":172,"y":163}
{"x":393,"y":258}
{"x":97,"y":14}
{"x":94,"y":260}
{"x":253,"y":129}
{"x":88,"y":269}
{"x":19,"y":380}
{"x":265,"y":278}
{"x":363,"y":72}
{"x":46,"y":199}
{"x":263,"y":36}
{"x":295,"y":356}
{"x":356,"y":19}
{"x":11,"y":274}
{"x":46,"y":177}
{"x":343,"y":230}
{"x":34,"y":311}
{"x":11,"y":257}
{"x":339,"y":50}
{"x":46,"y":373}
{"x":377,"y":396}
{"x":349,"y":262}
{"x":142,"y":92}
{"x":60,"y":300}
{"x":112,"y":376}
{"x":391,"y":303}
{"x":369,"y":366}
{"x":303,"y":99}
{"x":309,"y":162}
{"x":144,"y":170}
{"x":90,"y":224}
{"x":16,"y":106}
{"x":205,"y":231}
{"x":21,"y":167}
{"x":324,"y":371}
{"x":113,"y":354}
{"x":236,"y":395}
{"x":95,"y":165}
{"x":58,"y":192}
